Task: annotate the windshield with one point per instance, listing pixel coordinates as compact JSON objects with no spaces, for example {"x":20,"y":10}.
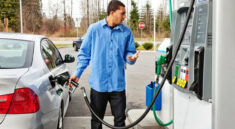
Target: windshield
{"x":15,"y":53}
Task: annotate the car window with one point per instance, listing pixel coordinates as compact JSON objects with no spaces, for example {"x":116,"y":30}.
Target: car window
{"x":13,"y":53}
{"x":50,"y":54}
{"x":47,"y":59}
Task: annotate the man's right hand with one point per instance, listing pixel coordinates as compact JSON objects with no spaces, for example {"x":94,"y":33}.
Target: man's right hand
{"x":73,"y":78}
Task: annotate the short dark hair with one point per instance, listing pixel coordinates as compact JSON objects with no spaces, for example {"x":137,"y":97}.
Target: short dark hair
{"x":114,"y":5}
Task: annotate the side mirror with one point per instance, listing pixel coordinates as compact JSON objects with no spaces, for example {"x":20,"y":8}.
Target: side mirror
{"x":68,"y":58}
{"x":58,"y":62}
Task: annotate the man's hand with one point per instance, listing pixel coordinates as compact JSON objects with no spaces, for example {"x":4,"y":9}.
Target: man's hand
{"x":73,"y":78}
{"x":134,"y":57}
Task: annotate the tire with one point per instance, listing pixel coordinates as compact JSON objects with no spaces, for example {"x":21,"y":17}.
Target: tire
{"x":60,"y":124}
{"x":75,"y":47}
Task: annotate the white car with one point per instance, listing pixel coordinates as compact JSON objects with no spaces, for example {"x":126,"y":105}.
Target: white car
{"x":31,"y":97}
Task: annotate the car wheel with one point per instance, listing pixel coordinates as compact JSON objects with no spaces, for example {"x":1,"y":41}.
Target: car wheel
{"x":75,"y":47}
{"x":60,"y":124}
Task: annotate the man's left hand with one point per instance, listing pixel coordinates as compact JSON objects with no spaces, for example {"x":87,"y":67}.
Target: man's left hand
{"x":134,"y":57}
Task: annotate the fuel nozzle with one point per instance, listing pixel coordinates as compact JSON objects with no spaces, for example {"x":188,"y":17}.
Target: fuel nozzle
{"x":161,"y":60}
{"x":75,"y":85}
{"x":62,"y":79}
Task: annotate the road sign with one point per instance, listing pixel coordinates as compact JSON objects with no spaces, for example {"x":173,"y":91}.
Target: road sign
{"x":141,"y":25}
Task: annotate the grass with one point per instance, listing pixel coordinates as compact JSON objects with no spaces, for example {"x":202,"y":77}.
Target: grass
{"x":62,"y":45}
{"x":140,"y":48}
{"x":148,"y":39}
{"x":152,"y":49}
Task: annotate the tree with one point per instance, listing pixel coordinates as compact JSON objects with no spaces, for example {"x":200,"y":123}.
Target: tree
{"x":9,"y":9}
{"x":163,"y":22}
{"x":159,"y":19}
{"x":32,"y":15}
{"x":102,"y":14}
{"x":166,"y":24}
{"x":147,"y":17}
{"x":134,"y":16}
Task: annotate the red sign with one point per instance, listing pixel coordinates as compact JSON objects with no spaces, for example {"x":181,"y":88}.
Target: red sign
{"x":141,"y":25}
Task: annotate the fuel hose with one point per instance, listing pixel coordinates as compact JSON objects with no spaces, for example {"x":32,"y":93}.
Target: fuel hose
{"x":155,"y":114}
{"x":161,"y":84}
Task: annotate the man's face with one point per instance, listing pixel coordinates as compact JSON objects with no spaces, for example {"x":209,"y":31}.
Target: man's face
{"x":119,"y":15}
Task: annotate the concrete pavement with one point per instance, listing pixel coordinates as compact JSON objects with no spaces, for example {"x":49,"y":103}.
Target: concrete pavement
{"x":84,"y":122}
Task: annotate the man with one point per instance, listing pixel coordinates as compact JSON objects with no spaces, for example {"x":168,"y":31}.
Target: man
{"x":108,"y":44}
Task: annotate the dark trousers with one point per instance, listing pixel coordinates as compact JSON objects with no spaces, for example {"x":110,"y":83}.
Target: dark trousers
{"x":99,"y":102}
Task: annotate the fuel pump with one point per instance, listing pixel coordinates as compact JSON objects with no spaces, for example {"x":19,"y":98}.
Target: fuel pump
{"x":192,"y":71}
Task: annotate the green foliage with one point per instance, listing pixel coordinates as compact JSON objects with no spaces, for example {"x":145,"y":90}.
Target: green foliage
{"x":148,"y":46}
{"x":166,"y":23}
{"x":134,"y":16}
{"x":137,"y":45}
{"x":9,"y":9}
{"x":162,"y":21}
{"x":32,"y":16}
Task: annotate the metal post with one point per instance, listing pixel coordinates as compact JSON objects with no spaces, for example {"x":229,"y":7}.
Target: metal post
{"x":141,"y":35}
{"x":98,"y":9}
{"x":154,"y":31}
{"x":77,"y":31}
{"x":21,"y":17}
{"x":71,"y":8}
{"x":65,"y":17}
{"x":88,"y":16}
{"x":77,"y":26}
{"x":6,"y":24}
{"x":222,"y":64}
{"x":127,"y":11}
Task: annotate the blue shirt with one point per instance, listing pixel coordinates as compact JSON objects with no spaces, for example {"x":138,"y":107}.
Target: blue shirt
{"x":107,"y":50}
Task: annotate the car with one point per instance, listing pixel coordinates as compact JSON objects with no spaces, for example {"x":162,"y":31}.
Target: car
{"x":34,"y":93}
{"x":77,"y":43}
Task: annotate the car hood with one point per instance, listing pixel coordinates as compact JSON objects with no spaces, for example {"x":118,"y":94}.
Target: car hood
{"x":8,"y":81}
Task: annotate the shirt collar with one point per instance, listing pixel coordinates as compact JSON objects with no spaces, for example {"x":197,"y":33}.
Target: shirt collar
{"x":118,"y":27}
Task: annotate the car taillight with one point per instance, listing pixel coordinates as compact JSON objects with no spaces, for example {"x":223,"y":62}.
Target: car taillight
{"x":5,"y":101}
{"x":24,"y":101}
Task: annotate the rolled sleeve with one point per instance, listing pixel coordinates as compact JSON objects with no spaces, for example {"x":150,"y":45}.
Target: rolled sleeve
{"x":130,"y":48}
{"x":84,"y":55}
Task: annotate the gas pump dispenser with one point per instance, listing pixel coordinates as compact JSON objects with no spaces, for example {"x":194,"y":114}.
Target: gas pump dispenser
{"x":192,"y":71}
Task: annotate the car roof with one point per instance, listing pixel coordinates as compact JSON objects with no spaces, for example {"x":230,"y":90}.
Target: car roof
{"x":20,"y":36}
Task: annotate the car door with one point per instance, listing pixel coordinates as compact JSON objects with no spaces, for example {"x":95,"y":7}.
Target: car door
{"x":49,"y":100}
{"x":59,"y":68}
